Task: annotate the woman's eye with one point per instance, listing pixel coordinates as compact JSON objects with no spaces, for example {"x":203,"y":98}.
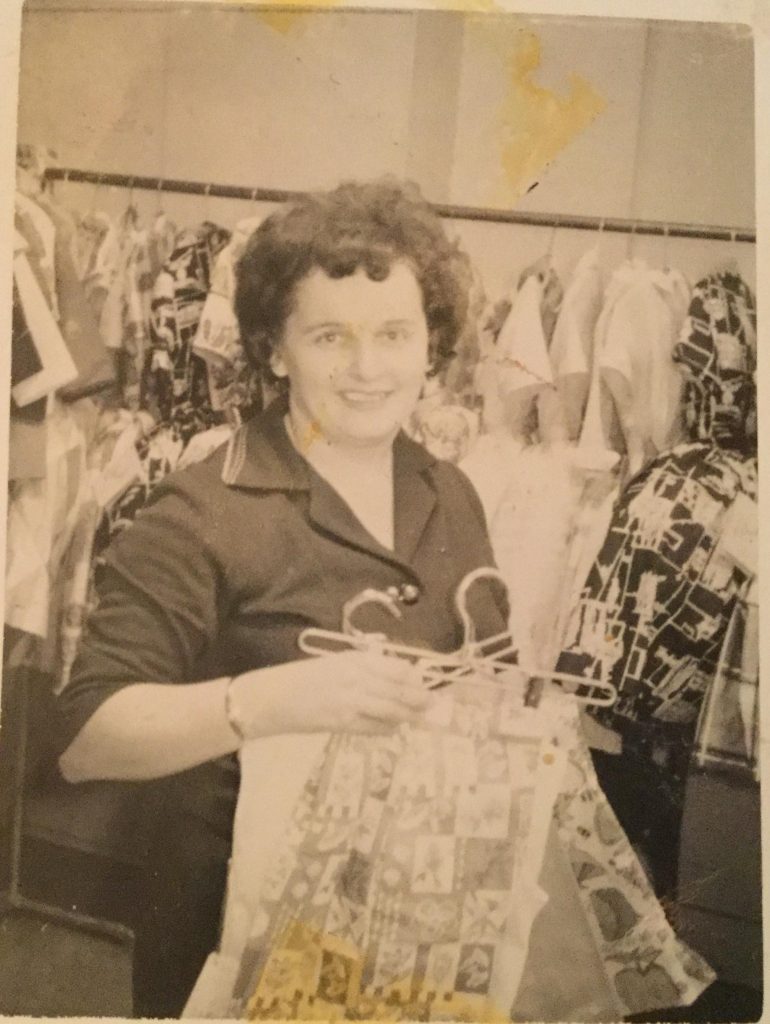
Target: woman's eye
{"x":329,"y":338}
{"x":394,"y":335}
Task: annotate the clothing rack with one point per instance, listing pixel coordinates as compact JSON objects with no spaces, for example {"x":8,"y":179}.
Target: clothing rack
{"x":473,"y":213}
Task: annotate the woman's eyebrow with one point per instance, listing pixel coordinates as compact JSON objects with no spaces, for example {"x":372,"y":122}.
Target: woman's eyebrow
{"x":325,"y":324}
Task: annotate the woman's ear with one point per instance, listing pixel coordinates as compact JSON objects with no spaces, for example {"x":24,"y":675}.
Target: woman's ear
{"x":277,"y":364}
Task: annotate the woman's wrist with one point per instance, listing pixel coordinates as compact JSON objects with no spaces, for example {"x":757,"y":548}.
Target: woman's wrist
{"x":237,"y":718}
{"x":256,"y":702}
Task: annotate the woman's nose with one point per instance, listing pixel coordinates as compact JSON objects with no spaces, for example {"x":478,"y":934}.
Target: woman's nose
{"x":365,"y":361}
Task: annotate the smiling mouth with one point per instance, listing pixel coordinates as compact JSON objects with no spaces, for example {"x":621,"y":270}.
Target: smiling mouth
{"x":364,"y":397}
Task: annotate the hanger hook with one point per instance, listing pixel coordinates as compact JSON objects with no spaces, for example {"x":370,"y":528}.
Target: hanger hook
{"x":97,"y":183}
{"x":461,"y":599}
{"x":552,"y":239}
{"x":631,"y":239}
{"x":368,"y":596}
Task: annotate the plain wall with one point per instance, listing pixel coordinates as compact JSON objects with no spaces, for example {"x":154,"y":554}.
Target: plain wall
{"x":228,"y":95}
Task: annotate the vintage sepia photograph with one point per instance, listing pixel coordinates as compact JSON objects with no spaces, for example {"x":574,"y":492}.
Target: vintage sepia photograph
{"x":381,"y":607}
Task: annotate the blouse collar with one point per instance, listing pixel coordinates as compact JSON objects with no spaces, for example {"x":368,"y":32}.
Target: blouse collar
{"x":261,"y":455}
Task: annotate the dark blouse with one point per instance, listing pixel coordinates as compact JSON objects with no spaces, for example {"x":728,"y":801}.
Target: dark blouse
{"x":229,"y":561}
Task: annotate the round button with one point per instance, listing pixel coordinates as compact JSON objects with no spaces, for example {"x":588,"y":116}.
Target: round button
{"x":410,"y":594}
{"x":393,"y":592}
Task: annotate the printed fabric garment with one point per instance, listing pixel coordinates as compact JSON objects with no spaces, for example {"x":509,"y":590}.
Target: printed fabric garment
{"x":126,"y":314}
{"x":717,"y":350}
{"x":41,"y":516}
{"x":79,"y":326}
{"x":175,"y":384}
{"x":234,"y":386}
{"x":443,"y":426}
{"x":463,"y":869}
{"x":635,"y":360}
{"x":647,"y":966}
{"x":572,"y":343}
{"x":152,"y":456}
{"x":406,"y":885}
{"x":112,"y":465}
{"x":657,"y":601}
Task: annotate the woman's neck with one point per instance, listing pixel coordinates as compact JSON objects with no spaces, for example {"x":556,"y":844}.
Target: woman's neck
{"x":362,"y":476}
{"x":310,"y":442}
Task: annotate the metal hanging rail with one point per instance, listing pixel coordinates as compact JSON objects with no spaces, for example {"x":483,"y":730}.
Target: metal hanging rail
{"x":473,"y":213}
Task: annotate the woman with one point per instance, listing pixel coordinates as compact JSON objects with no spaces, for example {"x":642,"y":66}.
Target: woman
{"x":347,"y":302}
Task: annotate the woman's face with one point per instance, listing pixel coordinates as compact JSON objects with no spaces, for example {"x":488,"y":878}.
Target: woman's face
{"x":355,"y":352}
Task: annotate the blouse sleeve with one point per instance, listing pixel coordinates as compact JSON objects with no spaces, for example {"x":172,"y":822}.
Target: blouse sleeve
{"x":158,"y":604}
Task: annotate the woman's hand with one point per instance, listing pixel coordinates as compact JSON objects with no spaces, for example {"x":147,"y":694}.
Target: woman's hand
{"x":349,"y":692}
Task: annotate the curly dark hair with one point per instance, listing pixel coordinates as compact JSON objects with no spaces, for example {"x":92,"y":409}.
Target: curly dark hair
{"x":369,"y":225}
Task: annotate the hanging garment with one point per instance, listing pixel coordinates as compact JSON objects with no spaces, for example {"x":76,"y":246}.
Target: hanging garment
{"x":447,"y":429}
{"x":98,"y":247}
{"x":514,"y":371}
{"x":233,"y":385}
{"x":175,"y":385}
{"x":717,"y":351}
{"x":530,"y":530}
{"x":572,"y":344}
{"x":39,"y":230}
{"x":531,"y":494}
{"x":458,"y":375}
{"x":601,"y":427}
{"x":112,"y":466}
{"x":522,"y":363}
{"x":135,"y":257}
{"x":27,"y":428}
{"x":551,"y":292}
{"x":78,"y":324}
{"x":686,"y":493}
{"x":113,"y":311}
{"x":635,"y":360}
{"x":145,"y":459}
{"x":56,"y":365}
{"x":41,"y":516}
{"x":656,"y":603}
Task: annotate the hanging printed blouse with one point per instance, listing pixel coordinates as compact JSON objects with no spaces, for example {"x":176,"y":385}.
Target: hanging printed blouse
{"x":175,"y":381}
{"x":233,"y":385}
{"x":658,"y":598}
